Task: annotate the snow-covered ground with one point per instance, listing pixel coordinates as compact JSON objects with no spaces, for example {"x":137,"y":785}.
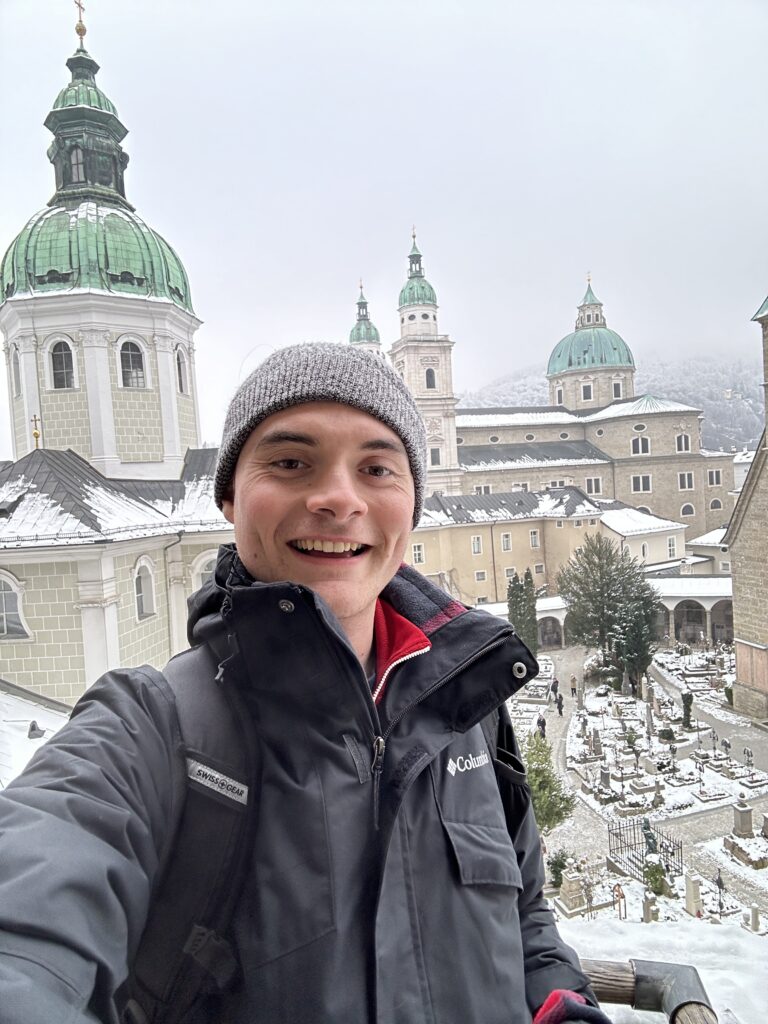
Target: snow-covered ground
{"x":17,"y":713}
{"x":732,"y":962}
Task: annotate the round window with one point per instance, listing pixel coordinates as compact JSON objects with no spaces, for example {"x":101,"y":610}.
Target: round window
{"x":425,"y":316}
{"x":530,"y":437}
{"x":494,"y":439}
{"x":639,"y":427}
{"x":564,"y":436}
{"x":411,"y":316}
{"x":599,"y":431}
{"x":459,"y":440}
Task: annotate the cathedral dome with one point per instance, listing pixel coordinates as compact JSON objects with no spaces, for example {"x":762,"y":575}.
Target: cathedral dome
{"x":92,"y":246}
{"x":593,"y":345}
{"x":417,"y":291}
{"x":82,"y":91}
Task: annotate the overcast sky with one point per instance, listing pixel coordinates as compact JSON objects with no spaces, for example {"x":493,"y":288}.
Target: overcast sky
{"x":285,"y":148}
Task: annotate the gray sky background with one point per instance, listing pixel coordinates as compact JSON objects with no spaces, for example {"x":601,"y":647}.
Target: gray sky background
{"x":285,"y":148}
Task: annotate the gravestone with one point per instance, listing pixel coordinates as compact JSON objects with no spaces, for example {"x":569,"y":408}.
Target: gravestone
{"x":754,"y":917}
{"x":597,"y":745}
{"x":693,"y":902}
{"x":742,"y":818}
{"x":764,"y":829}
{"x":650,"y":910}
{"x":605,"y":778}
{"x":571,"y":889}
{"x":650,"y":728}
{"x":649,"y":692}
{"x":626,"y":689}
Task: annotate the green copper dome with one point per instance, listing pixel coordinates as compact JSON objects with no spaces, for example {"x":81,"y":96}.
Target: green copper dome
{"x":364,"y":330}
{"x":588,"y":348}
{"x":95,"y":247}
{"x":592,"y":345}
{"x":82,"y":91}
{"x":89,"y":238}
{"x":417,"y":291}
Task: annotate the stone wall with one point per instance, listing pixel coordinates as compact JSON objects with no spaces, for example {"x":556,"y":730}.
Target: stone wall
{"x":185,"y":405}
{"x":146,"y":640}
{"x":51,"y":661}
{"x":64,"y":412}
{"x":138,"y":419}
{"x":19,"y":426}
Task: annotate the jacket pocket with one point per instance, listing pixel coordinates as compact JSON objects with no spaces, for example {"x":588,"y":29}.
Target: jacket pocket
{"x":484,"y":854}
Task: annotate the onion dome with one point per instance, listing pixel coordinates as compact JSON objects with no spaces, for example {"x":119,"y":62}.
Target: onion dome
{"x":364,"y":332}
{"x":592,"y":345}
{"x":89,"y":237}
{"x":417,"y":291}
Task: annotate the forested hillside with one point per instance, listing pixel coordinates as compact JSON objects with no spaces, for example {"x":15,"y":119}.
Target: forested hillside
{"x":729,"y":394}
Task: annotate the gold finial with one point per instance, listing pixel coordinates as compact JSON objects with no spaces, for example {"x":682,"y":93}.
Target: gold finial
{"x":80,"y":27}
{"x":413,"y":233}
{"x":361,"y":284}
{"x":589,"y":277}
{"x":35,"y":433}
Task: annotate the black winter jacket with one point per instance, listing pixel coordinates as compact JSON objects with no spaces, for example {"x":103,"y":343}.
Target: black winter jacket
{"x":410,"y":894}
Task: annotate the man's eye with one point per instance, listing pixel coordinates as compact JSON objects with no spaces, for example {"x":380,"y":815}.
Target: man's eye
{"x":288,"y":463}
{"x":378,"y":471}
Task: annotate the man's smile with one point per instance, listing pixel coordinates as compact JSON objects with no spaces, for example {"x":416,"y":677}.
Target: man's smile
{"x":316,"y":546}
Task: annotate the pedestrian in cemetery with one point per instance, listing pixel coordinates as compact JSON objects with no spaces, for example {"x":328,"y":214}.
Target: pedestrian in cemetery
{"x":555,"y":686}
{"x":541,"y":725}
{"x":559,"y":702}
{"x":573,"y":686}
{"x":250,"y":835}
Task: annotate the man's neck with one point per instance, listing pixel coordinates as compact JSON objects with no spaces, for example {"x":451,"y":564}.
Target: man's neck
{"x":359,"y":631}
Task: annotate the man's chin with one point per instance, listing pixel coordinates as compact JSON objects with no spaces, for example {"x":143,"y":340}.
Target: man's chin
{"x":344,"y":598}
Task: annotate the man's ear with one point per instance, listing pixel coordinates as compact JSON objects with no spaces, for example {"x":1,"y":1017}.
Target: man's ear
{"x":228,"y":504}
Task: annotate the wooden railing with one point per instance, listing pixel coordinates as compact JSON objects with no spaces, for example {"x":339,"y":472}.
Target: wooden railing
{"x":674,"y":989}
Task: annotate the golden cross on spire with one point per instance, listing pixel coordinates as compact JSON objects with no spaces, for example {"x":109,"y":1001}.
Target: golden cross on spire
{"x":361,"y":284}
{"x":80,"y":26}
{"x":413,"y":233}
{"x":36,"y":432}
{"x":589,"y":277}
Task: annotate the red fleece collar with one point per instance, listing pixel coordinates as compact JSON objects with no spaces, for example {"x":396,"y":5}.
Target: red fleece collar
{"x":396,"y":638}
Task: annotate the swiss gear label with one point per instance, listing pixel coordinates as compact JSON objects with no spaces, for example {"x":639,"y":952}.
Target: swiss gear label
{"x":217,"y":781}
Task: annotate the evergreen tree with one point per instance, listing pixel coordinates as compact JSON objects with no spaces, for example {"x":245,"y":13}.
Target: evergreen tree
{"x":611,"y":606}
{"x":521,"y":602}
{"x":552,"y":803}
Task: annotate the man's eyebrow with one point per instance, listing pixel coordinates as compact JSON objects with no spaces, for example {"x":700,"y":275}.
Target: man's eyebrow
{"x":384,"y":445}
{"x":286,"y":437}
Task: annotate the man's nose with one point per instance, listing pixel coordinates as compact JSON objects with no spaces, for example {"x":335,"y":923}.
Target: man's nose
{"x":337,"y":492}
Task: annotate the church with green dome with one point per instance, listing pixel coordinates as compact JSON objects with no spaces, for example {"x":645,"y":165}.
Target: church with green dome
{"x":102,"y":359}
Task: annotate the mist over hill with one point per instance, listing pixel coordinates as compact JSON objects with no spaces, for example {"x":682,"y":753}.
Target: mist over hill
{"x":729,"y":394}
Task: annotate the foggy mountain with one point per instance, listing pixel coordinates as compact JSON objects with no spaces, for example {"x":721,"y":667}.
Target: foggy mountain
{"x":729,"y":395}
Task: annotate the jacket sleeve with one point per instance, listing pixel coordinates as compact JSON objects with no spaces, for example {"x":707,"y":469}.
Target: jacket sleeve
{"x":82,"y":831}
{"x":549,"y":962}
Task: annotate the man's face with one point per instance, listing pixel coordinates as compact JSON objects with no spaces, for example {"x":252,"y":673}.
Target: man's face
{"x":323,"y":495}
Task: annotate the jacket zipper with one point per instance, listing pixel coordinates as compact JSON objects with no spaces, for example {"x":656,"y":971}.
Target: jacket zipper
{"x":380,"y":742}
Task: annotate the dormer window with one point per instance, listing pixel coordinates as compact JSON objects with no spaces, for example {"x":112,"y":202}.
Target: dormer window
{"x":77,"y":165}
{"x":589,"y":318}
{"x":431,"y":380}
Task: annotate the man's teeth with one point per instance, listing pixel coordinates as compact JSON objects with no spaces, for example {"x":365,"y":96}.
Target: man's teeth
{"x":328,"y":547}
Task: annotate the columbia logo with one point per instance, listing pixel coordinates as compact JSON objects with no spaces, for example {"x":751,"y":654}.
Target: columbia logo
{"x":466,"y":764}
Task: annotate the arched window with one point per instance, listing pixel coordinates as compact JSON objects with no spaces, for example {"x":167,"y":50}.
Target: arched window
{"x":11,"y":623}
{"x":641,"y":445}
{"x":643,"y":550}
{"x":132,"y":365}
{"x":715,"y":504}
{"x":77,"y":165}
{"x":62,"y":366}
{"x":687,"y":510}
{"x":644,"y":508}
{"x":431,"y":379}
{"x":182,"y":376}
{"x":16,"y":373}
{"x":144,"y":588}
{"x":683,"y":442}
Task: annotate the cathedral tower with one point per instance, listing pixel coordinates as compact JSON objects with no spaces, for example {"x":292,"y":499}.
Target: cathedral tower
{"x":364,"y":334}
{"x":95,"y":307}
{"x":592,"y":366}
{"x":422,"y":357}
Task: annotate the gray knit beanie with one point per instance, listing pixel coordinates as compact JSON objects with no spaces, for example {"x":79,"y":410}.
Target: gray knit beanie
{"x":323,"y":373}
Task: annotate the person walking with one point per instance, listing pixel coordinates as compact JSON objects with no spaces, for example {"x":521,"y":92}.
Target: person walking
{"x":541,"y":725}
{"x":573,"y":686}
{"x":559,"y":703}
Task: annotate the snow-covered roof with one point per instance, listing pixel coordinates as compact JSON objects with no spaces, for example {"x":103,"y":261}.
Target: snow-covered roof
{"x":744,"y":457}
{"x":694,"y":586}
{"x":460,"y":509}
{"x":56,"y":498}
{"x":643,"y":405}
{"x":712,"y":539}
{"x":19,"y":708}
{"x":629,"y":522}
{"x":526,"y":462}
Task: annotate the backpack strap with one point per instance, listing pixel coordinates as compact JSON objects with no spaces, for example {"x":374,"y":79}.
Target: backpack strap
{"x":182,"y":953}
